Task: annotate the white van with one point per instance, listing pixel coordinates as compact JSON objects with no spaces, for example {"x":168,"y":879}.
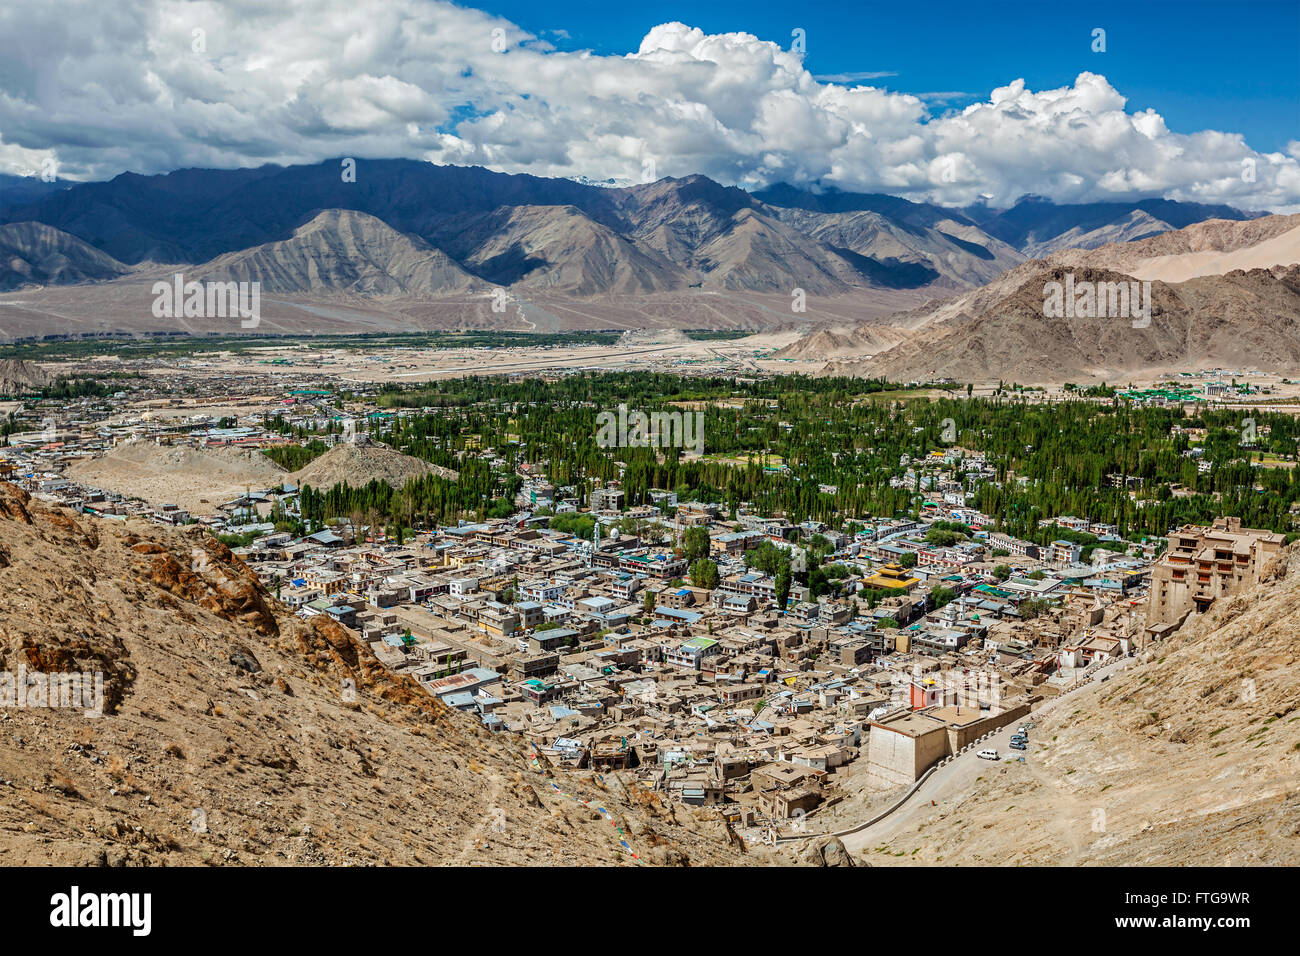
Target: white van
{"x":989,"y":755}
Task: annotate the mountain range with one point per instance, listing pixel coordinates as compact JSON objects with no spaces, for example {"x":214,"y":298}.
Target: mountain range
{"x":408,"y":228}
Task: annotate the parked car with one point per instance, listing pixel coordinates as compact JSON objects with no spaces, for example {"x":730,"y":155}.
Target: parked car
{"x":989,"y":755}
{"x":1018,"y":745}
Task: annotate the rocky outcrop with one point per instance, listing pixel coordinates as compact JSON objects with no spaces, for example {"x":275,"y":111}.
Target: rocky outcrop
{"x":21,"y":377}
{"x":826,"y":851}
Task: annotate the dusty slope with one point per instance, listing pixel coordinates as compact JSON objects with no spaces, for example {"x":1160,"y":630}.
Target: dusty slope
{"x":197,"y":479}
{"x":1240,"y":320}
{"x":358,"y":464}
{"x":559,"y":248}
{"x":843,"y":343}
{"x":945,"y":252}
{"x":1190,"y":757}
{"x":230,"y":736}
{"x":758,"y":253}
{"x":1038,"y":227}
{"x":1180,"y":267}
{"x":1238,"y":317}
{"x":1134,"y":226}
{"x":33,"y":254}
{"x":341,"y":250}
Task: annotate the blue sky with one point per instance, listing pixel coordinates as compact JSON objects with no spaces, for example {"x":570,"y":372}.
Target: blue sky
{"x":1202,"y":64}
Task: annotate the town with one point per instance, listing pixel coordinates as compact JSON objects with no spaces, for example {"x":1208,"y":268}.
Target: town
{"x":793,"y":674}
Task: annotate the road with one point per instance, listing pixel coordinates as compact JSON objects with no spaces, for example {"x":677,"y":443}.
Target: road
{"x":958,"y":776}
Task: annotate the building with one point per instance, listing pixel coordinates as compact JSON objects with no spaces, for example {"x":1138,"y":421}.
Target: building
{"x":734,"y":542}
{"x":499,"y":620}
{"x":1015,"y":546}
{"x":905,"y":745}
{"x":606,"y":499}
{"x":530,"y":614}
{"x":1203,"y":564}
{"x":1064,"y":552}
{"x":691,"y":654}
{"x":892,"y":578}
{"x":902,"y":748}
{"x":805,"y":612}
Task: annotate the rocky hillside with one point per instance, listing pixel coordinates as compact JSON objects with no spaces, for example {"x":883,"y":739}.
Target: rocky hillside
{"x":844,"y":343}
{"x":1039,"y":227}
{"x":1227,"y":300}
{"x":21,"y":377}
{"x":558,"y":248}
{"x":341,"y":250}
{"x":33,"y":254}
{"x":1190,"y":757}
{"x":1239,"y":320}
{"x":236,"y":734}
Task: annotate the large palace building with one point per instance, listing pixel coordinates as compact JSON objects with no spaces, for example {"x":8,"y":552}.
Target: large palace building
{"x":1203,"y":564}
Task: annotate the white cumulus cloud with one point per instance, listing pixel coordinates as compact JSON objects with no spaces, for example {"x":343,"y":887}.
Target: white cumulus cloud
{"x":153,"y":85}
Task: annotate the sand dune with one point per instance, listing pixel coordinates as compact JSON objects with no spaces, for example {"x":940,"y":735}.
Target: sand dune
{"x":1283,"y":250}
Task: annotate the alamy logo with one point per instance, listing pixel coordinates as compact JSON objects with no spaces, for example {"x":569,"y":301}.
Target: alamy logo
{"x":73,"y":909}
{"x":208,"y":300}
{"x":1098,"y":300}
{"x":636,"y":429}
{"x":1249,"y":433}
{"x":38,"y":689}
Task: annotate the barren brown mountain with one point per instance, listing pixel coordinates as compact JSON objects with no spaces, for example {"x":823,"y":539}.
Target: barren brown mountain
{"x":942,"y":254}
{"x":21,"y":377}
{"x":559,"y":248}
{"x":1240,"y":317}
{"x":34,"y":254}
{"x":1239,"y":320}
{"x":341,"y":250}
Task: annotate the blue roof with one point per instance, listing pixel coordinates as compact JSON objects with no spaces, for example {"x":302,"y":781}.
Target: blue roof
{"x":688,"y":617}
